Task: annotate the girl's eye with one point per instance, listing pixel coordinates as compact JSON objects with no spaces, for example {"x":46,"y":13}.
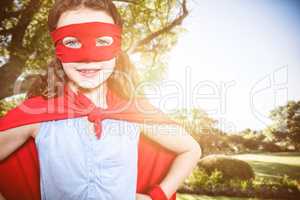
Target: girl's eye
{"x":104,"y":41}
{"x":71,"y":42}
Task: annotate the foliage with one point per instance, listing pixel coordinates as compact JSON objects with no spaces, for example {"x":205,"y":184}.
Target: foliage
{"x":26,"y":44}
{"x":200,"y":182}
{"x":225,"y":165}
{"x":285,"y":127}
{"x":8,"y":104}
{"x":196,"y":120}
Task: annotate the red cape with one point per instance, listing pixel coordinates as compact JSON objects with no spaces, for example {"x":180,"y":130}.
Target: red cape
{"x":19,"y":172}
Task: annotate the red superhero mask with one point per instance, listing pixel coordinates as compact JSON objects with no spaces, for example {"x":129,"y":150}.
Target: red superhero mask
{"x":87,"y":35}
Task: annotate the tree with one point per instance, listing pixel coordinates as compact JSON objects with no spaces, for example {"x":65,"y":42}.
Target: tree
{"x":196,"y":121}
{"x":286,"y":123}
{"x":151,"y":29}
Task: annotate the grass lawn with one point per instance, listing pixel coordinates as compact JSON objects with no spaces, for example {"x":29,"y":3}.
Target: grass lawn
{"x":267,"y":165}
{"x":274,"y":165}
{"x":204,"y":197}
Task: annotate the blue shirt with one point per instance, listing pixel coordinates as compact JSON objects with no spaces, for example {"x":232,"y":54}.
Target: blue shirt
{"x":75,"y":165}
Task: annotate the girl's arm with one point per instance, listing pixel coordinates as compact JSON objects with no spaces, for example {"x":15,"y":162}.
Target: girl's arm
{"x":13,"y":138}
{"x":175,"y":138}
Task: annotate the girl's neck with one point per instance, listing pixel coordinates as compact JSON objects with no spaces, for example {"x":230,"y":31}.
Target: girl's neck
{"x":96,"y":95}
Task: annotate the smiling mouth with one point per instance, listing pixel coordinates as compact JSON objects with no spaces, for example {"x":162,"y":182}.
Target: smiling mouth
{"x":88,"y":72}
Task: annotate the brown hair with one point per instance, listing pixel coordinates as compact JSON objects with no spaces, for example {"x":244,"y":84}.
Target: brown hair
{"x":51,"y":84}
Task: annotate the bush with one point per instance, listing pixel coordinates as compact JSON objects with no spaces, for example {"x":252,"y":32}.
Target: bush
{"x":230,"y":167}
{"x":215,"y":185}
{"x":271,"y":147}
{"x":8,"y":104}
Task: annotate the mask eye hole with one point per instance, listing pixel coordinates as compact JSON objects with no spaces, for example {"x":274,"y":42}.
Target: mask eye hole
{"x":104,"y":41}
{"x":71,"y":42}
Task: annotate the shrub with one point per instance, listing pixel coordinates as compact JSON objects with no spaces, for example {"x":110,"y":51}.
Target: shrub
{"x":8,"y":104}
{"x":215,"y":185}
{"x":230,"y":167}
{"x":198,"y":178}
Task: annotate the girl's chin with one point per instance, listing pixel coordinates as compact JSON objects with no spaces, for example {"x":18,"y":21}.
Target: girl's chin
{"x":88,"y":84}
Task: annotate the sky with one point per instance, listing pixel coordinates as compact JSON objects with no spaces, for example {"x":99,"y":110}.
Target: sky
{"x":238,"y":60}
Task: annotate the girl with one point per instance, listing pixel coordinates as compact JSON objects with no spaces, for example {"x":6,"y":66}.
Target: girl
{"x":74,"y":163}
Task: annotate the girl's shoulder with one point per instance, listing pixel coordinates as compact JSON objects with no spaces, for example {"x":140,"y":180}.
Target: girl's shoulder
{"x":27,"y":129}
{"x":36,"y":127}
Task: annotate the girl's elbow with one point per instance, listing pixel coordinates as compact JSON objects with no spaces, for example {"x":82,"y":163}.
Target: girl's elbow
{"x":197,"y":150}
{"x":2,"y":157}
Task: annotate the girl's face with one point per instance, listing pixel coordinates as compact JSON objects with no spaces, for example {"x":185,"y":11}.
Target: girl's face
{"x":86,"y":75}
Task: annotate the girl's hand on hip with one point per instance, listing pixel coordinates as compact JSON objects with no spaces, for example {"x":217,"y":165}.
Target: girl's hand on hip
{"x":140,"y":196}
{"x":1,"y":197}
